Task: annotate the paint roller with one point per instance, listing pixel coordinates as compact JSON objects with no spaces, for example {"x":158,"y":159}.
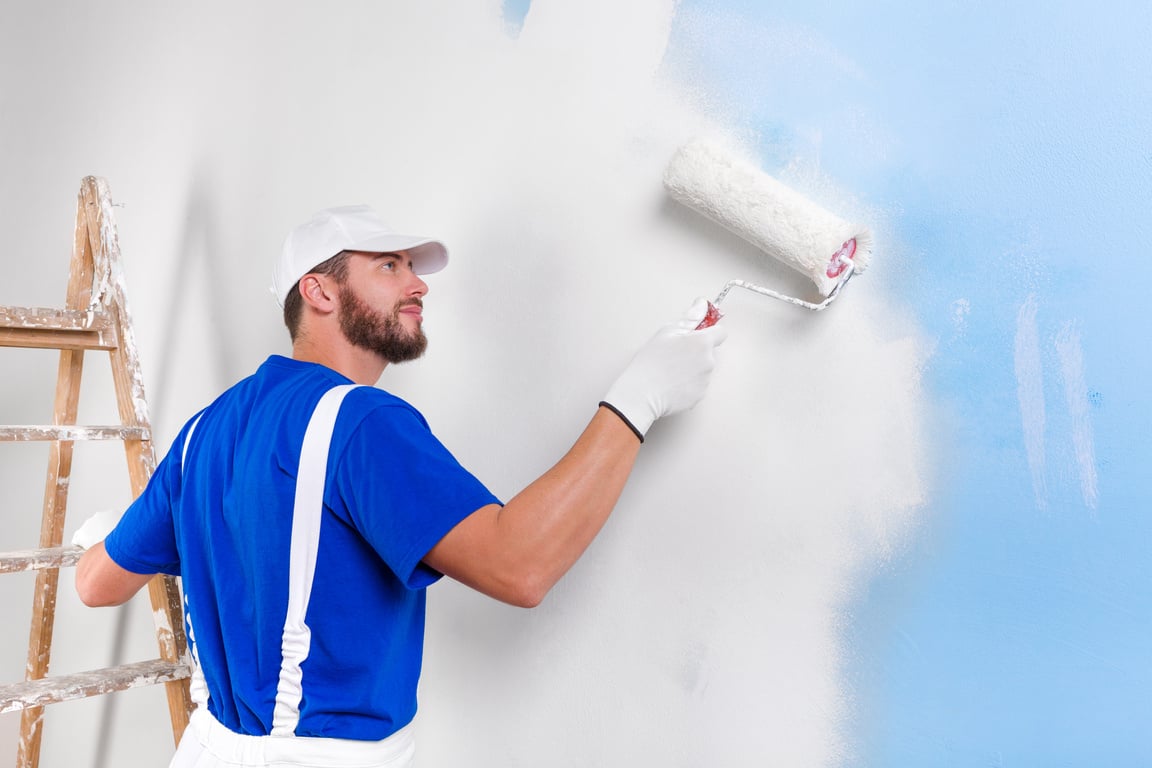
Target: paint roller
{"x":781,"y":222}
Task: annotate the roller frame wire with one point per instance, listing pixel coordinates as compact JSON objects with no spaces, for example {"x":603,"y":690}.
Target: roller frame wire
{"x":849,"y":271}
{"x":714,"y":314}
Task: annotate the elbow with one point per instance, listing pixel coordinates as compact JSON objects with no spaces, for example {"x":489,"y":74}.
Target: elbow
{"x":93,"y":596}
{"x":520,"y":589}
{"x":528,"y":598}
{"x":89,"y":590}
{"x":86,"y":591}
{"x":94,"y":590}
{"x":525,"y":599}
{"x":528,"y":589}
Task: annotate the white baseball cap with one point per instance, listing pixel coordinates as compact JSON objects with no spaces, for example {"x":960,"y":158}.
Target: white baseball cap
{"x":348,"y":228}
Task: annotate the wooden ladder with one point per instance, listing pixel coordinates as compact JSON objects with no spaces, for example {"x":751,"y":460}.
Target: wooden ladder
{"x":95,"y":318}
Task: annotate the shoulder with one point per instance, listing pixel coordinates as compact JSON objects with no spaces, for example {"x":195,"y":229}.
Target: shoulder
{"x":376,"y":428}
{"x":377,"y":406}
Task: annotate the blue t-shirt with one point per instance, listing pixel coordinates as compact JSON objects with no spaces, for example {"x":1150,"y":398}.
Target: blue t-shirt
{"x":220,"y":518}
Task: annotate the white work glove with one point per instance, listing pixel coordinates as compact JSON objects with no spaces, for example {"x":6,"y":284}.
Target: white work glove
{"x":668,"y":374}
{"x":96,"y":528}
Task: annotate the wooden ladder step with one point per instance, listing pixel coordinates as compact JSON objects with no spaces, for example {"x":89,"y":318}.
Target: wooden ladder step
{"x":39,"y":559}
{"x":31,"y":432}
{"x":54,"y":689}
{"x":45,"y":328}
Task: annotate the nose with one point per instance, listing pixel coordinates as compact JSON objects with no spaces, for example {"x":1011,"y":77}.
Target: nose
{"x":417,"y":286}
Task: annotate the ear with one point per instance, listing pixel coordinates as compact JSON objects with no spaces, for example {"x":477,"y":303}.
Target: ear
{"x":318,"y":292}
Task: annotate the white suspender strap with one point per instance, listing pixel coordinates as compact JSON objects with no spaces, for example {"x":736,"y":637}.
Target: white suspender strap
{"x":188,"y":441}
{"x":198,"y":686}
{"x":306,"y":516}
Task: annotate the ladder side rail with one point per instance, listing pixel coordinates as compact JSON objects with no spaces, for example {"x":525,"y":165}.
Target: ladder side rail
{"x":103,"y":240}
{"x":163,"y":591}
{"x":55,"y":498}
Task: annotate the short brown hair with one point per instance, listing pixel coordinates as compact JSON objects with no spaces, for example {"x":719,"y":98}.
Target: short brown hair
{"x":337,"y":267}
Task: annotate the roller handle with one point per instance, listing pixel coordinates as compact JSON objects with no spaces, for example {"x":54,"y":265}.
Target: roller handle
{"x":711,"y":317}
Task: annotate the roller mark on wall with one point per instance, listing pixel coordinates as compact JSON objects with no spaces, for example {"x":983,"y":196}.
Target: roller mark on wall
{"x":1077,"y":398}
{"x":1071,"y":353}
{"x":1030,"y":393}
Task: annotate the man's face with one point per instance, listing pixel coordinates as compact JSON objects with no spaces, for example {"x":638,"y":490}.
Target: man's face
{"x":381,"y":306}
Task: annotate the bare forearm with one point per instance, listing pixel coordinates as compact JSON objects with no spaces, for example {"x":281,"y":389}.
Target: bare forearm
{"x":101,"y":582}
{"x":555,"y":518}
{"x":518,"y":552}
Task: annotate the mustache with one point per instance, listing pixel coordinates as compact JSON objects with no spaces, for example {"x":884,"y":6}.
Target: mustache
{"x":413,"y":302}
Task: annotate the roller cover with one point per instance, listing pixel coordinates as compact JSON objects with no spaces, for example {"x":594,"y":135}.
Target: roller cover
{"x":775,"y":218}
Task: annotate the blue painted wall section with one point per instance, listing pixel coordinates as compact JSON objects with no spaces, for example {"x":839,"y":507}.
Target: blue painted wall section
{"x":1012,"y":146}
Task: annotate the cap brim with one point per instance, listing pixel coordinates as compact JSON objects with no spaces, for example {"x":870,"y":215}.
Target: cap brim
{"x":428,"y":255}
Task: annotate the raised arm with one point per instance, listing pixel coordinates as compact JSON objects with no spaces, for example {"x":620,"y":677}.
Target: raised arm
{"x":518,"y":552}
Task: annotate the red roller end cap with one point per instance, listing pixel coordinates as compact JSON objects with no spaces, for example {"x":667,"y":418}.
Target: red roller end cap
{"x":840,"y":259}
{"x":711,"y":318}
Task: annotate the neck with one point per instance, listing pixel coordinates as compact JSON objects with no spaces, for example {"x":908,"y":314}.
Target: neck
{"x":360,"y":365}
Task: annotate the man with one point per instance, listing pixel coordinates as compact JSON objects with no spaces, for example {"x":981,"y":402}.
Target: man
{"x":306,"y":511}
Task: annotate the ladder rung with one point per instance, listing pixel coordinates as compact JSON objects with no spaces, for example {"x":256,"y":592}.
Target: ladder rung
{"x":39,"y":559}
{"x":51,"y":690}
{"x":47,"y":328}
{"x":30,"y":432}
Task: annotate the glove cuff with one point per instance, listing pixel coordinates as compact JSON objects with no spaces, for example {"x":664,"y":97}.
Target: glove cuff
{"x":623,"y":418}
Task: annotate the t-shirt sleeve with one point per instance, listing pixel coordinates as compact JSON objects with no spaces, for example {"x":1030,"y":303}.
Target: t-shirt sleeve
{"x":144,"y":541}
{"x":404,"y":490}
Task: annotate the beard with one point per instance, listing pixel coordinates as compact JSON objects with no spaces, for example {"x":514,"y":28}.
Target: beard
{"x":379,"y":332}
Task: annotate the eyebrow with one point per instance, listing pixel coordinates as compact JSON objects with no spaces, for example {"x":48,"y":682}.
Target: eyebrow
{"x":396,"y":255}
{"x":389,"y":255}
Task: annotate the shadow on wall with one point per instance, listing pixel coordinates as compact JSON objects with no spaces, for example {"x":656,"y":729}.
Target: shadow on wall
{"x":188,"y":311}
{"x":199,"y":244}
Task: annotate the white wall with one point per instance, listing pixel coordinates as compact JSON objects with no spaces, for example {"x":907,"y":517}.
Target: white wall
{"x":703,"y":626}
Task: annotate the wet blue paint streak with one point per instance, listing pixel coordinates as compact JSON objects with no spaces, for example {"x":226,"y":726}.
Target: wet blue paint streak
{"x":514,"y":13}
